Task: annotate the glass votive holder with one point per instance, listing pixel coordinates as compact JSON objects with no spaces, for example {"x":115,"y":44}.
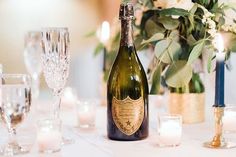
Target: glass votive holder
{"x":169,"y":130}
{"x":229,"y":119}
{"x":49,"y":135}
{"x":86,"y":113}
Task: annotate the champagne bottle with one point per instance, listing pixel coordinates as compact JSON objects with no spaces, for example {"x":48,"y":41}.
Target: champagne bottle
{"x":127,"y":88}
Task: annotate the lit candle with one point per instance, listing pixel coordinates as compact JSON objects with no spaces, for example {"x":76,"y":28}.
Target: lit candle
{"x":69,"y":97}
{"x":49,"y":136}
{"x":219,"y":83}
{"x":170,"y":133}
{"x":104,"y":37}
{"x":68,"y":106}
{"x":86,"y":114}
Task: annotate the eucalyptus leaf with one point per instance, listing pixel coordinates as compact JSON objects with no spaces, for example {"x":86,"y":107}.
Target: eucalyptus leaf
{"x":138,"y":42}
{"x":191,"y":15}
{"x":156,"y":80}
{"x":196,"y":52}
{"x":191,"y":40}
{"x":155,"y":37}
{"x":168,"y":22}
{"x":167,"y":50}
{"x":174,"y":35}
{"x":209,"y":62}
{"x":178,"y":74}
{"x":161,"y":47}
{"x":172,"y":54}
{"x":174,"y":11}
{"x":90,"y":34}
{"x":98,"y":49}
{"x":152,"y":28}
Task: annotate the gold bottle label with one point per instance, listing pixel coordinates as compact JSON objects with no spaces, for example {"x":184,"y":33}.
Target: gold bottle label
{"x":128,"y":114}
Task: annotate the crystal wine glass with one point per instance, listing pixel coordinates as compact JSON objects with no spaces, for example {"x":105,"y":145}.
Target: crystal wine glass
{"x":55,"y":59}
{"x":15,"y":103}
{"x":32,"y":53}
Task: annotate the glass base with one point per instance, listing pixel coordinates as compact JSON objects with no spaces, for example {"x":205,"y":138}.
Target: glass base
{"x":49,"y":151}
{"x":224,"y":145}
{"x":13,"y":149}
{"x":168,"y":145}
{"x":67,"y":141}
{"x":86,"y":126}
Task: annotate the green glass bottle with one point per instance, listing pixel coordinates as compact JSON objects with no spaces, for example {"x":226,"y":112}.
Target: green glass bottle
{"x":127,"y":88}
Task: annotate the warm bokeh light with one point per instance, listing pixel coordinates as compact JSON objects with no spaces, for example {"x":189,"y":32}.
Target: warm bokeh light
{"x":219,"y":42}
{"x":103,"y":33}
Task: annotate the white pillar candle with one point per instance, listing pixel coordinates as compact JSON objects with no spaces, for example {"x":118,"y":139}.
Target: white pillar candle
{"x":170,"y":133}
{"x":229,"y":121}
{"x":49,"y":140}
{"x":86,"y":114}
{"x":69,"y":98}
{"x":49,"y":136}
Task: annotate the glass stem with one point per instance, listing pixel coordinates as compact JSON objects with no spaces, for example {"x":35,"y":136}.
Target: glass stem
{"x":35,"y":85}
{"x":12,"y":137}
{"x":57,"y":104}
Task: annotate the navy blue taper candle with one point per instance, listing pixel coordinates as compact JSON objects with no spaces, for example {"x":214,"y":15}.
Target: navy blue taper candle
{"x":220,"y":75}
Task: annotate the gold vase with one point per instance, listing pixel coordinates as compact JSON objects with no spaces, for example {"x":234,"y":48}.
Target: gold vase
{"x":190,"y":105}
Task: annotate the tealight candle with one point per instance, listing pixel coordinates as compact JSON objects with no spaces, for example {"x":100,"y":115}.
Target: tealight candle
{"x":49,"y":136}
{"x":170,"y":130}
{"x":229,"y":119}
{"x":69,"y":97}
{"x":86,"y":114}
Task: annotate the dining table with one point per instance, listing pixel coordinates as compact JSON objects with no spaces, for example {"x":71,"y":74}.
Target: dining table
{"x":94,"y":141}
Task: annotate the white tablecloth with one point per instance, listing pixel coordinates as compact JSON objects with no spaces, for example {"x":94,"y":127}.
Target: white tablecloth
{"x":95,"y":142}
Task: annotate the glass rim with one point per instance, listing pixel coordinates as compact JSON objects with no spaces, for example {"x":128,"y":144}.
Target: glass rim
{"x":90,"y":102}
{"x":33,"y":32}
{"x":48,"y":121}
{"x":170,"y":116}
{"x":14,"y":75}
{"x":46,"y":29}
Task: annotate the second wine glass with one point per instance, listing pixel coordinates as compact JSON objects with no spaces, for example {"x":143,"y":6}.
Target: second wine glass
{"x":55,"y":59}
{"x":32,"y":52}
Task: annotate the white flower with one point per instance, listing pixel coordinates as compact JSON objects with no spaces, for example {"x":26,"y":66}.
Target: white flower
{"x":229,"y":28}
{"x":183,"y":4}
{"x":212,"y":32}
{"x":225,"y":28}
{"x":211,"y":24}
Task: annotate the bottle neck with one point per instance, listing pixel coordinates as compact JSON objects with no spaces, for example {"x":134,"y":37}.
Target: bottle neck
{"x":126,"y":33}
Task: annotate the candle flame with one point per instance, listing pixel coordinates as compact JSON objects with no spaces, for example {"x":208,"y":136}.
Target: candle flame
{"x":219,"y":42}
{"x":69,"y":94}
{"x":104,"y":32}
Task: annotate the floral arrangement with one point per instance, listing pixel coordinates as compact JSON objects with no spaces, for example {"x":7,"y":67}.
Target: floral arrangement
{"x":178,"y":32}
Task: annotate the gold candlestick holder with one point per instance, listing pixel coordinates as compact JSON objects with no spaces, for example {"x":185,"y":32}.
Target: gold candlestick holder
{"x":218,"y":141}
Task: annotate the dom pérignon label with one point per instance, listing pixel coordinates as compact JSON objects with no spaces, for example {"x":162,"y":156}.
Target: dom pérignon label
{"x":127,"y":88}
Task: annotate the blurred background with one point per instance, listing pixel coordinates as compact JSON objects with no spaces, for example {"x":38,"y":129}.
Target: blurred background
{"x":80,"y":16}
